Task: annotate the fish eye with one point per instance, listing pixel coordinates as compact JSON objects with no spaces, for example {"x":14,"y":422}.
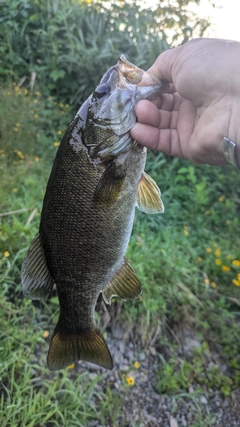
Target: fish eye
{"x":102,"y":90}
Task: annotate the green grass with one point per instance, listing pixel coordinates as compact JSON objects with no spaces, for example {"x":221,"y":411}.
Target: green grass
{"x":188,"y":260}
{"x":30,"y":396}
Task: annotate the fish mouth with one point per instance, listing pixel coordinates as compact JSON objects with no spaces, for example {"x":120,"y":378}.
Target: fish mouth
{"x":131,"y":74}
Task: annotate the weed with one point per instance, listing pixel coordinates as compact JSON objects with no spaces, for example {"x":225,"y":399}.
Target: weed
{"x":176,"y":375}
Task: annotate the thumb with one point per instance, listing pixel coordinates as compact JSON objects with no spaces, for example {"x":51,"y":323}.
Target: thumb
{"x":162,"y":67}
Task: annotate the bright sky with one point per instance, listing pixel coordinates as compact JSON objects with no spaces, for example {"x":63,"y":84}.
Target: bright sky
{"x":225,"y":21}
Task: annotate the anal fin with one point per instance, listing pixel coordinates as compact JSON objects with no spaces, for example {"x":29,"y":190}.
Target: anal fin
{"x":125,"y":284}
{"x":36,"y":280}
{"x":66,"y":349}
{"x":149,"y":195}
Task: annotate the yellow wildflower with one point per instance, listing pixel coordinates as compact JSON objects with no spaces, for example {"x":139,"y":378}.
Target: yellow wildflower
{"x":228,"y":221}
{"x":35,"y":101}
{"x":6,"y":254}
{"x":206,"y":280}
{"x":208,"y":250}
{"x":199,"y":259}
{"x":130,"y":380}
{"x":17,"y":124}
{"x":45,"y":334}
{"x":218,"y":261}
{"x":238,"y":277}
{"x":20,"y":154}
{"x":214,"y":284}
{"x":217,"y":252}
{"x":15,"y":190}
{"x":207,"y":212}
{"x":59,"y":132}
{"x":221,"y":198}
{"x":71,"y":366}
{"x":56,"y":144}
{"x":225,"y":268}
{"x":36,"y":116}
{"x":236,"y":282}
{"x":185,"y":230}
{"x":36,"y":158}
{"x":236,"y":262}
{"x":15,"y":129}
{"x":137,"y":365}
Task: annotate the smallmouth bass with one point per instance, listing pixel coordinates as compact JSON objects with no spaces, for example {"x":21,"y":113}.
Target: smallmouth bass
{"x":96,"y":181}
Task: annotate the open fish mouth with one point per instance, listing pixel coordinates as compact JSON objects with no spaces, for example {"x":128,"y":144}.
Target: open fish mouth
{"x":130,"y":73}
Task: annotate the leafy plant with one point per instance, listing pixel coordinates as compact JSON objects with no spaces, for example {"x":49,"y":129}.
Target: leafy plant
{"x":68,"y":45}
{"x":178,"y":375}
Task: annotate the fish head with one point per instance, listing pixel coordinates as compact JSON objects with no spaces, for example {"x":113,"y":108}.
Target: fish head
{"x":111,"y":112}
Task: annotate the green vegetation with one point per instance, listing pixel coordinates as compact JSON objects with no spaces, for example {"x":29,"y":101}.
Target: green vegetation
{"x":188,"y":259}
{"x":68,"y":44}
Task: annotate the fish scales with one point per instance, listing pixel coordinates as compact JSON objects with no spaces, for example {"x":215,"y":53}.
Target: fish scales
{"x":96,"y":181}
{"x":104,"y":233}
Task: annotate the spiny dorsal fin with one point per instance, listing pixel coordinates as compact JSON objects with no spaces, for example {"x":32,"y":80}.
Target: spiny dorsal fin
{"x":66,"y":349}
{"x":109,"y":185}
{"x":37,"y":282}
{"x":148,"y":195}
{"x":125,"y":284}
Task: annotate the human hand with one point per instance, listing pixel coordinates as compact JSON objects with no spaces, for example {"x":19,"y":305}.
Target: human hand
{"x":201,"y":106}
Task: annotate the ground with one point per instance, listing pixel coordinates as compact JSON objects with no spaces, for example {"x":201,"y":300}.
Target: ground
{"x":141,"y":405}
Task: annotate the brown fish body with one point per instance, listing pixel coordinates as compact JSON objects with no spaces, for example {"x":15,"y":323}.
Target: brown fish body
{"x":97,"y":180}
{"x":92,"y":240}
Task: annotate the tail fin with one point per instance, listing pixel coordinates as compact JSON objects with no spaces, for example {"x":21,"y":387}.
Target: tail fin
{"x":66,"y":349}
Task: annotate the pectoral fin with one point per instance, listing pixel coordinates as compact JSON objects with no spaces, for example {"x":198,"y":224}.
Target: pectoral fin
{"x":109,"y":185}
{"x":37,"y":282}
{"x":148,"y":195}
{"x":125,"y":284}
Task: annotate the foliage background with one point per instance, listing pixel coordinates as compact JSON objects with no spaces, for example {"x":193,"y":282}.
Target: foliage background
{"x":70,"y":44}
{"x":52,"y":54}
